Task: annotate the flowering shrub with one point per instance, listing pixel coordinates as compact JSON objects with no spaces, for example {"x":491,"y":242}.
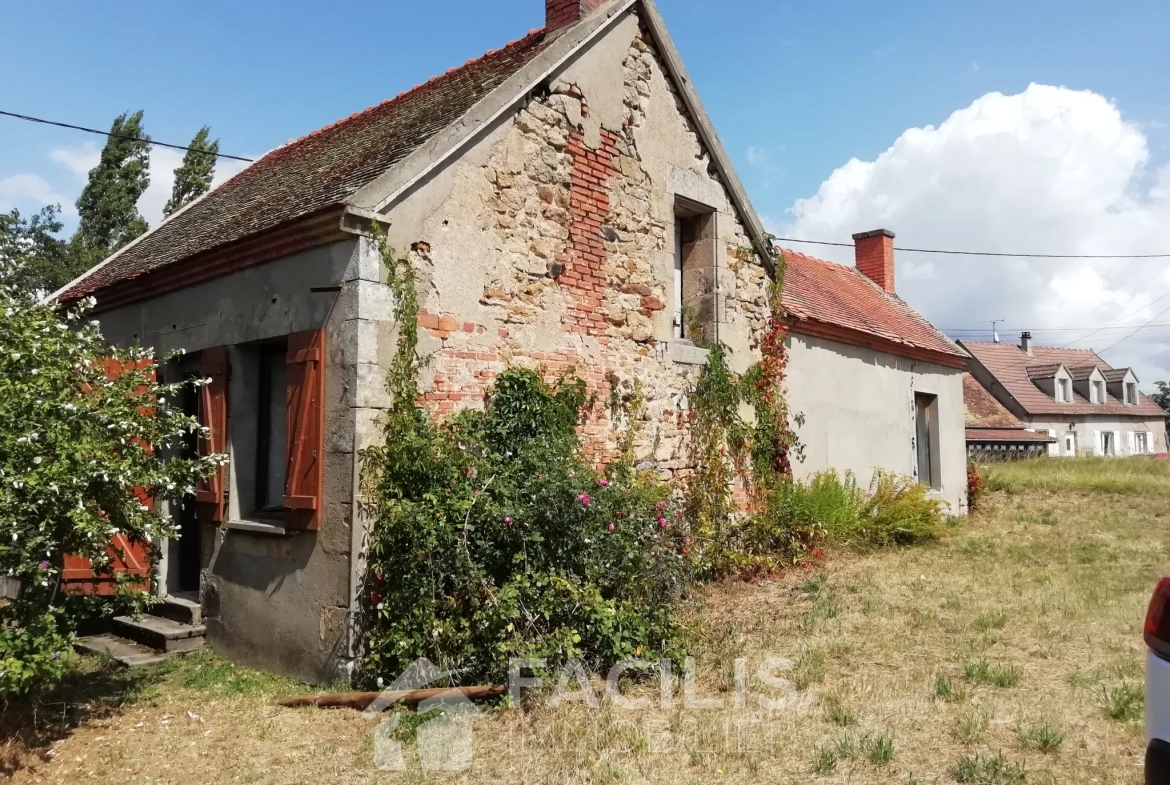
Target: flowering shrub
{"x":81,"y":428}
{"x":495,"y":539}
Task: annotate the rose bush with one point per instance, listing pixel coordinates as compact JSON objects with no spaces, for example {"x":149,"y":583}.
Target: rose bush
{"x":494,"y":538}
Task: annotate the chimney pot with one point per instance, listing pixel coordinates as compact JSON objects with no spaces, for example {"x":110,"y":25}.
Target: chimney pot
{"x":1026,"y":343}
{"x":874,"y":252}
{"x":562,"y":13}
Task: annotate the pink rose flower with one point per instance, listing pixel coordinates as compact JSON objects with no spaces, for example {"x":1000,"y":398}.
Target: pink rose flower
{"x":662,"y":505}
{"x":507,"y":520}
{"x":584,"y":499}
{"x":662,"y":522}
{"x":612,"y":527}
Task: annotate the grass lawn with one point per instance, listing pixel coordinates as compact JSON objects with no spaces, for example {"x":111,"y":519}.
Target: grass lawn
{"x":1010,"y":651}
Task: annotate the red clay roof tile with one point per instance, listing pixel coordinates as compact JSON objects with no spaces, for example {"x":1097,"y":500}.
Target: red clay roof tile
{"x":982,"y":410}
{"x":836,"y":294}
{"x":1005,"y":435}
{"x":1009,"y":365}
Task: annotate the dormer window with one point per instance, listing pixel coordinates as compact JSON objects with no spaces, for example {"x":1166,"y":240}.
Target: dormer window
{"x":1063,"y":391}
{"x":1131,"y":394}
{"x":1098,"y":389}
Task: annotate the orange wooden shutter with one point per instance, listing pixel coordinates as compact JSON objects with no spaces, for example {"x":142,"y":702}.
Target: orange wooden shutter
{"x":305,"y":447}
{"x":129,"y":556}
{"x":209,"y":493}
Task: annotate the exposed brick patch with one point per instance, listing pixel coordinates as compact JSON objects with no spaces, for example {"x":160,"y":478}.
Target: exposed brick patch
{"x":586,"y":273}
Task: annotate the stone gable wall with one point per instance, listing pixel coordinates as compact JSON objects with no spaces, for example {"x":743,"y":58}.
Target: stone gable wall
{"x":561,"y":228}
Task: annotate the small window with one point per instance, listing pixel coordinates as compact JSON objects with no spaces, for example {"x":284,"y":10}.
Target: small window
{"x":1070,"y":444}
{"x":271,"y":424}
{"x":926,"y":439}
{"x":1108,"y":445}
{"x":1063,"y":391}
{"x":693,"y":293}
{"x":1098,"y":392}
{"x":1131,"y":393}
{"x":1141,"y":442}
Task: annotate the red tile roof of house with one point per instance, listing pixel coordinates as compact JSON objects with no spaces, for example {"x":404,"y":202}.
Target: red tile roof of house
{"x":820,"y":291}
{"x":981,"y":408}
{"x":316,"y":171}
{"x":1005,"y":435}
{"x":1008,"y":364}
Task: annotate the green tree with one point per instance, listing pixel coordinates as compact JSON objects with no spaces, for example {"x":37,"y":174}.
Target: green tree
{"x":83,"y":427}
{"x":193,"y":176}
{"x":1162,"y":398}
{"x":108,"y":206}
{"x":36,"y":260}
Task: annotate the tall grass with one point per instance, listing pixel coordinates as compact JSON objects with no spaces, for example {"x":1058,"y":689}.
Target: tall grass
{"x":1106,"y":475}
{"x":894,"y":510}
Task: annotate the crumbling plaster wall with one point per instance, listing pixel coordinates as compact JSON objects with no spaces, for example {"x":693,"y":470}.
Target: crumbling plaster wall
{"x":550,"y":244}
{"x":279,"y":601}
{"x":858,"y":410}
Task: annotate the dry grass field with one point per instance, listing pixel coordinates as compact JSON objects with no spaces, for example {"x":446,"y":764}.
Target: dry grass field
{"x":1008,"y":652}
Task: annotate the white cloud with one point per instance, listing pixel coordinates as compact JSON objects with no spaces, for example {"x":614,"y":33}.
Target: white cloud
{"x":1049,"y":170}
{"x":78,"y":159}
{"x":29,"y":193}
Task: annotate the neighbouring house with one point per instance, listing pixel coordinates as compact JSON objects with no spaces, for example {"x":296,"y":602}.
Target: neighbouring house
{"x":876,"y":387}
{"x":1072,"y":395}
{"x":994,"y":433}
{"x":565,"y":201}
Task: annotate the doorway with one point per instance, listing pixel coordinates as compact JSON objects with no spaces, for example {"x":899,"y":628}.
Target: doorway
{"x":188,"y":550}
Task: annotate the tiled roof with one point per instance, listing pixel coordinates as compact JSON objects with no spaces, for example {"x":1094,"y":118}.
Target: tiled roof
{"x":1043,"y":371}
{"x":982,"y":410}
{"x":1005,"y":435}
{"x":1114,"y":374}
{"x":1008,"y":364}
{"x":839,"y":295}
{"x":1081,"y":372}
{"x":319,"y":170}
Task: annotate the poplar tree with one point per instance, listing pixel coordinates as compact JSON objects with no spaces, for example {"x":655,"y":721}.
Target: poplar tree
{"x":108,"y":207}
{"x":193,"y":176}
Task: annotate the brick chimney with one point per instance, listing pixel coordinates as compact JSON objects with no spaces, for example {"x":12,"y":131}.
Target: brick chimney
{"x":562,"y":13}
{"x":875,"y":256}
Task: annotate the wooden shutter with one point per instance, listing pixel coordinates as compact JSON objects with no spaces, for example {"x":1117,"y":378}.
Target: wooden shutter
{"x":129,"y":556}
{"x":209,"y":493}
{"x":305,"y":445}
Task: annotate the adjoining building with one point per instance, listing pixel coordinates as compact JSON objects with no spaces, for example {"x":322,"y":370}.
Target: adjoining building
{"x":995,"y":434}
{"x":1088,"y":406}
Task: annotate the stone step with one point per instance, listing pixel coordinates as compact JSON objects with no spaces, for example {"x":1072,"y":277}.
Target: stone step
{"x":127,"y":652}
{"x":179,"y":609}
{"x":160,"y":633}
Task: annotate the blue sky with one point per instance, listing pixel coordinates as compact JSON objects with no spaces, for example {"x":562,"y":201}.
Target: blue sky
{"x":795,"y":89}
{"x":803,"y":86}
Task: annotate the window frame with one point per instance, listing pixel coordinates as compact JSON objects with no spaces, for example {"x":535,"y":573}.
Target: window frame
{"x":265,"y":355}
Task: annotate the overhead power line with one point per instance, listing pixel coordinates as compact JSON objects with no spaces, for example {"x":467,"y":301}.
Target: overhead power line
{"x":119,"y":136}
{"x":1135,"y":332}
{"x":1047,"y":329}
{"x":995,"y":253}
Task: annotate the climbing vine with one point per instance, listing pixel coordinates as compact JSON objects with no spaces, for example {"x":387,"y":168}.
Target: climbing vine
{"x":494,"y":537}
{"x":756,"y":455}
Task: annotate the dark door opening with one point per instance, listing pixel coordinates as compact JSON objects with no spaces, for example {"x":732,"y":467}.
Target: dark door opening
{"x":189,"y":552}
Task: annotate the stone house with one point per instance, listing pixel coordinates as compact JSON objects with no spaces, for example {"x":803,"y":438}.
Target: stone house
{"x":565,"y":200}
{"x":1088,"y":406}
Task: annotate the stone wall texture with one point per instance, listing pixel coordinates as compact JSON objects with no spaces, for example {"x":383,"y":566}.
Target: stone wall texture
{"x":562,"y":230}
